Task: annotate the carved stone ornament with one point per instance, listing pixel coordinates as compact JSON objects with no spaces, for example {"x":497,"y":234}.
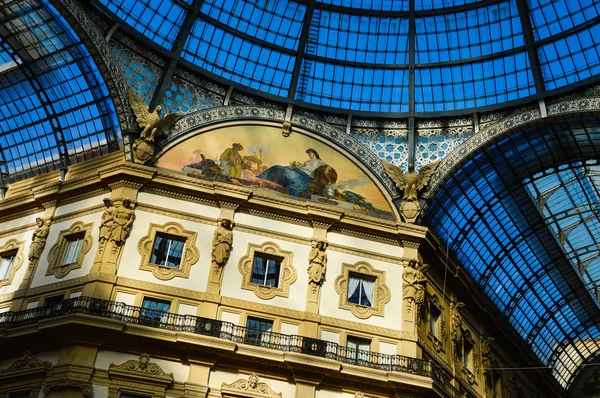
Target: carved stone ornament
{"x":457,"y":329}
{"x":287,"y":272}
{"x":222,"y":241}
{"x":410,"y":183}
{"x":38,"y":239}
{"x":249,"y":388}
{"x":359,"y":395}
{"x":486,"y":351}
{"x":151,"y":124}
{"x":413,"y":283}
{"x":116,"y":222}
{"x":12,"y":248}
{"x":27,"y":364}
{"x":141,"y":368}
{"x":57,"y":251}
{"x":61,"y":384}
{"x":317,"y":263}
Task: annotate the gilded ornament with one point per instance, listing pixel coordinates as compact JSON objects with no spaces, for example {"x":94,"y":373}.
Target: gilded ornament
{"x":222,"y":241}
{"x":317,"y":262}
{"x":410,"y":183}
{"x":151,"y":124}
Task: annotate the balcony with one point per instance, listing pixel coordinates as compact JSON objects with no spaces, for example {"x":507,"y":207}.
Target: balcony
{"x":218,"y":329}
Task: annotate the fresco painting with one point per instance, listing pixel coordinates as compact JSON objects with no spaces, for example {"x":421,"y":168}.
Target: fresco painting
{"x":297,"y":166}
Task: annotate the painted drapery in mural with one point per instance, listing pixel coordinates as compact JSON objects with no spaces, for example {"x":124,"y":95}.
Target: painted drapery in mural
{"x":298,"y":166}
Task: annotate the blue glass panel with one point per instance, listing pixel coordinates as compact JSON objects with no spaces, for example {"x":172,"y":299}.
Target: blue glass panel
{"x":549,"y":17}
{"x":380,"y":5}
{"x":437,"y":4}
{"x":158,"y":20}
{"x":347,"y":87}
{"x":239,"y":60}
{"x":59,"y":91}
{"x":468,"y":34}
{"x":278,"y":22}
{"x":473,"y":84}
{"x":361,"y":38}
{"x":571,"y":59}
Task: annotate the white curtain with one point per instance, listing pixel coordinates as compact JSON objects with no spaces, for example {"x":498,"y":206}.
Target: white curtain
{"x":72,"y":251}
{"x":369,"y":288}
{"x":5,"y":266}
{"x":353,"y":283}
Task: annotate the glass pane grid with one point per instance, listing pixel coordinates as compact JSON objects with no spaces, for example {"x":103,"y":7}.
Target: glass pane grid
{"x":277,"y":22}
{"x":380,"y":5}
{"x":158,"y":20}
{"x":348,"y":87}
{"x":361,"y":38}
{"x":473,"y":84}
{"x":238,"y":59}
{"x":571,"y":59}
{"x":549,"y":17}
{"x":58,"y":90}
{"x":468,"y":34}
{"x":499,"y":248}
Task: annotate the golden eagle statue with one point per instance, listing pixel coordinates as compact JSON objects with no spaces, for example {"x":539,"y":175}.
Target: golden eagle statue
{"x":410,"y":183}
{"x":151,"y":124}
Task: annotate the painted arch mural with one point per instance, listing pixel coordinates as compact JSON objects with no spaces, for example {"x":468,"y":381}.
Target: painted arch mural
{"x":297,"y":166}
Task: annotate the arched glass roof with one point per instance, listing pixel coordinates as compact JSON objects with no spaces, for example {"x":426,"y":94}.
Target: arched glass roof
{"x":55,"y":109}
{"x":494,"y":214}
{"x":391,"y":56}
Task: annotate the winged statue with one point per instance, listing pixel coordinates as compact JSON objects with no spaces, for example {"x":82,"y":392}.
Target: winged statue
{"x":411,"y":183}
{"x":151,"y":124}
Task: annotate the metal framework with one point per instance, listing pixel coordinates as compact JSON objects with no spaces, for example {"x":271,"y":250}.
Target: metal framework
{"x":303,"y":71}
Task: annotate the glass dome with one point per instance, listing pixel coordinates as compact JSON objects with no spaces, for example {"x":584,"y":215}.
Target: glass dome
{"x":377,"y":55}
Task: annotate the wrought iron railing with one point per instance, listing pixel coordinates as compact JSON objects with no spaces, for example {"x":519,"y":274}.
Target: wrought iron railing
{"x":211,"y":327}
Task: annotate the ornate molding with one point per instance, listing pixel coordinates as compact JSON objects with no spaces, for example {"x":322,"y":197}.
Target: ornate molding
{"x":57,"y":251}
{"x":287,"y":272}
{"x":249,"y":388}
{"x":498,"y":124}
{"x":382,"y":293}
{"x":190,"y":256}
{"x":65,"y":383}
{"x":27,"y":364}
{"x":141,"y":367}
{"x":16,"y":248}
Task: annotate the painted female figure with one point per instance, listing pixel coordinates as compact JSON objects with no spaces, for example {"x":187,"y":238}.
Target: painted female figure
{"x":296,"y":180}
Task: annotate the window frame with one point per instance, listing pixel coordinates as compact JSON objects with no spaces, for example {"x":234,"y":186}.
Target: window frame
{"x":57,"y":251}
{"x":358,"y":358}
{"x":287,"y":272}
{"x":381,"y":292}
{"x":190,"y":253}
{"x":278,"y":260}
{"x":17,"y":247}
{"x":360,"y":288}
{"x":263,"y":336}
{"x":170,"y":238}
{"x":147,"y":320}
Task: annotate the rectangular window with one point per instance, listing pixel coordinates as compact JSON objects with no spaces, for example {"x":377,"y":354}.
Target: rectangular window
{"x":434,"y":321}
{"x":468,"y":358}
{"x":154,"y":310}
{"x":167,"y":250}
{"x":358,"y":349}
{"x":258,"y":331}
{"x":361,"y":290}
{"x":72,"y":249}
{"x":6,"y":263}
{"x":129,"y":394}
{"x":265,"y":270}
{"x":54,"y":300}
